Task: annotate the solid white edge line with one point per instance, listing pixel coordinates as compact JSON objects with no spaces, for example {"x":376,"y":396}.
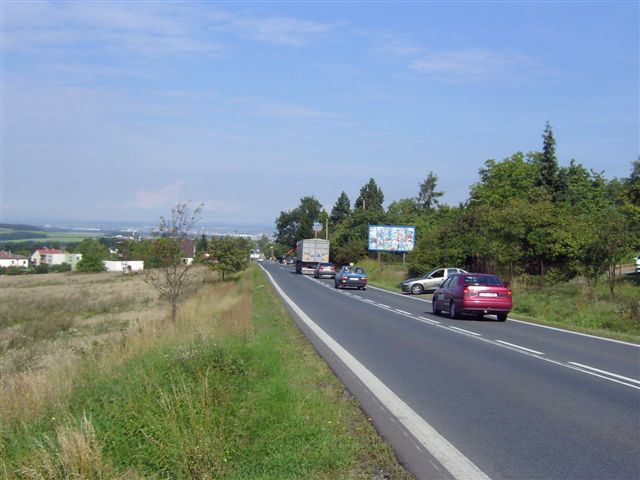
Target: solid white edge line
{"x":519,"y":347}
{"x":604,"y":372}
{"x":459,"y":466}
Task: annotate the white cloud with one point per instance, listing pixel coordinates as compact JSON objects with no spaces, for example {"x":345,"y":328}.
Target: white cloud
{"x":167,"y":195}
{"x":137,"y":28}
{"x":278,"y":30}
{"x":217,"y":206}
{"x":475,"y":64}
{"x":281,"y":110}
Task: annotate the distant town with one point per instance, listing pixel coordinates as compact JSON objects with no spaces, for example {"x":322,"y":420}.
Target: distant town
{"x":63,"y":231}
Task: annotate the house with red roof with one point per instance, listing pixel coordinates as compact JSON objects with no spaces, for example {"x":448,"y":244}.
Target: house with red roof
{"x":54,"y":256}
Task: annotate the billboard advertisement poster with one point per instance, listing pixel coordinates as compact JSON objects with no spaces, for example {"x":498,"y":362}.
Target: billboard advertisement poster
{"x":391,"y":238}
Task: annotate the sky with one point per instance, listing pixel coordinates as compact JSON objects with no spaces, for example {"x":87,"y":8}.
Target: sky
{"x":116,"y":111}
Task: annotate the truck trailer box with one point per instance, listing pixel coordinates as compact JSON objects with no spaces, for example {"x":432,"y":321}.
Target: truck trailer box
{"x":310,"y":252}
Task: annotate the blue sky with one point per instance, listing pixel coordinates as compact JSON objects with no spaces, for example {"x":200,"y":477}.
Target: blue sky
{"x":114,"y":111}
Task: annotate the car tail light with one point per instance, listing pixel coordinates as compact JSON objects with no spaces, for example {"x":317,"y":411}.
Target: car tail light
{"x":468,"y":292}
{"x":343,"y":277}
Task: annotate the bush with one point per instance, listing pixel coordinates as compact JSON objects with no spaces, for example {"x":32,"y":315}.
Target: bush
{"x":64,"y":267}
{"x":13,"y":271}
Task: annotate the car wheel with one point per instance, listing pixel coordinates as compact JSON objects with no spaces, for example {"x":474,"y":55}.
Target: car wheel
{"x":502,"y":317}
{"x":417,"y":289}
{"x":364,"y":288}
{"x":452,"y":310}
{"x":434,"y":307}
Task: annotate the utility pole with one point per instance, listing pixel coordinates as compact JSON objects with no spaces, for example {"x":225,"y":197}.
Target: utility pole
{"x":326,"y":222}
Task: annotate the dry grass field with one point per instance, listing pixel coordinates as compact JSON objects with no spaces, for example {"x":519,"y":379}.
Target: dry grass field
{"x":53,"y":325}
{"x":97,"y":382}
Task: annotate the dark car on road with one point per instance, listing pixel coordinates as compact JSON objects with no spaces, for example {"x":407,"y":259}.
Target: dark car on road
{"x":323,"y":269}
{"x":352,"y":277}
{"x":473,"y":293}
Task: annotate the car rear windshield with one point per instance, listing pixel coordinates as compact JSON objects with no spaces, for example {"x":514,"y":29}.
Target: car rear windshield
{"x":481,"y":280}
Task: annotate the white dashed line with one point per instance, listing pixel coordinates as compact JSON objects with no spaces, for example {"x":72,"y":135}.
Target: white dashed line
{"x":452,"y":459}
{"x":435,"y":322}
{"x":402,"y":311}
{"x":519,"y":347}
{"x":604,"y":372}
{"x":465,"y":331}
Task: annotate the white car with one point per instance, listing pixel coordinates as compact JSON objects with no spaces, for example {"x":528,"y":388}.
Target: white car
{"x":429,"y":282}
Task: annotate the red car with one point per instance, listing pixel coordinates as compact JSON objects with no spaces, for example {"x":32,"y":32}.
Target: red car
{"x":474,"y":293}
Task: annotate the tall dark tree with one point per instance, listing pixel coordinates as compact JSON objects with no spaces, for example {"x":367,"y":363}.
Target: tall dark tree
{"x":428,"y":195}
{"x":298,"y":223}
{"x":371,"y":197}
{"x":201,"y":246}
{"x":548,"y":162}
{"x":309,"y":213}
{"x":632,"y":184}
{"x":341,"y":210}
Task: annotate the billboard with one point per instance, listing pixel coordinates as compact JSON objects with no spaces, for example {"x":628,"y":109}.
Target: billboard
{"x":391,"y":238}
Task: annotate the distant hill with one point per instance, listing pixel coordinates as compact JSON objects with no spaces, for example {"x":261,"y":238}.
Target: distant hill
{"x":18,"y":227}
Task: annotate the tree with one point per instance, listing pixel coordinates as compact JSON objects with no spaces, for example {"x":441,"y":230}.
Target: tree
{"x":341,"y":210}
{"x":513,"y":177}
{"x":171,"y":276}
{"x":548,"y":162}
{"x":298,"y":223}
{"x":93,"y":252}
{"x":228,"y":255}
{"x":632,"y":184}
{"x":428,"y":196}
{"x":371,"y":197}
{"x":202,"y":246}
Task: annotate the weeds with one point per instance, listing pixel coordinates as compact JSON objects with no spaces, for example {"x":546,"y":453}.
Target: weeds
{"x":231,"y":390}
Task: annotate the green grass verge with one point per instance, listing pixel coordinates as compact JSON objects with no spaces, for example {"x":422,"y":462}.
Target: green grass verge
{"x":260,"y":405}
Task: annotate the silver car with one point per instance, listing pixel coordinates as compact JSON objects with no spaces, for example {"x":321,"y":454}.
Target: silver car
{"x":429,"y":282}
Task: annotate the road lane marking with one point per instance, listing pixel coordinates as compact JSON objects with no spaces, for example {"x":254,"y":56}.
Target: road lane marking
{"x":465,"y":331}
{"x":459,"y":466}
{"x":403,"y":295}
{"x":604,"y":372}
{"x":435,"y":322}
{"x":621,"y":342}
{"x":520,"y":347}
{"x":516,"y":348}
{"x":414,"y":297}
{"x":402,"y":311}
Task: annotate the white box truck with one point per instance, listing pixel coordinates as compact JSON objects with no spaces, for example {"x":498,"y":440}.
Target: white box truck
{"x":309,"y":253}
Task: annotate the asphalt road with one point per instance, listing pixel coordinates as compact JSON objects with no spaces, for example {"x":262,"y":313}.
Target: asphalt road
{"x":476,"y":399}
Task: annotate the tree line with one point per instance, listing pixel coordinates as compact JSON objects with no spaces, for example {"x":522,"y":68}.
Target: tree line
{"x":526,"y":215}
